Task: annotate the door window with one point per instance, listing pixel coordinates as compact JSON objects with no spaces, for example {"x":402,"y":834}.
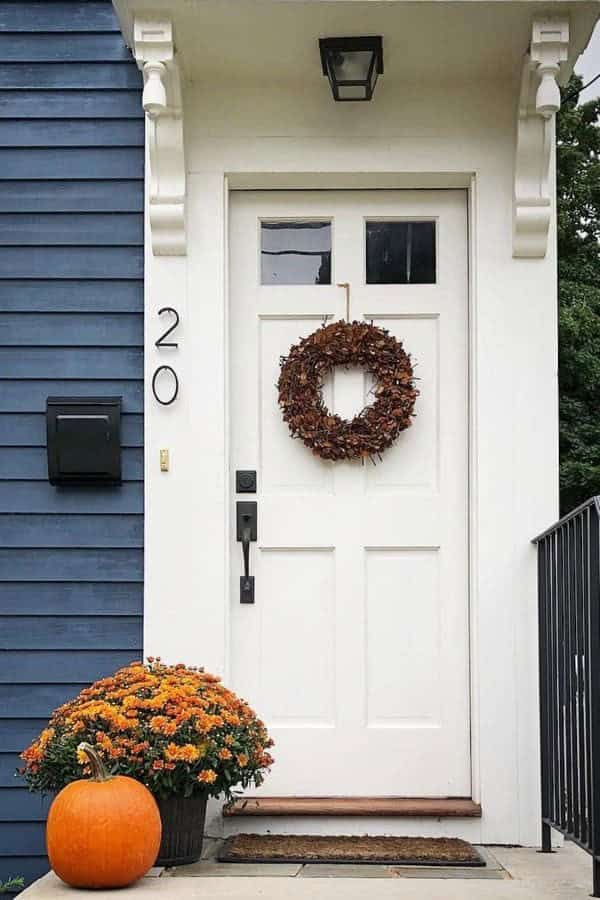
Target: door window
{"x":295,"y":252}
{"x":400,"y":252}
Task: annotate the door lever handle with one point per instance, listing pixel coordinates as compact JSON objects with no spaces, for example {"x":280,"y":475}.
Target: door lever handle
{"x":246,"y":536}
{"x":246,"y":532}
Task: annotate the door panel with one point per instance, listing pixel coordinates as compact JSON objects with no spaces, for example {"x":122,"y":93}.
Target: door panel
{"x":356,"y":650}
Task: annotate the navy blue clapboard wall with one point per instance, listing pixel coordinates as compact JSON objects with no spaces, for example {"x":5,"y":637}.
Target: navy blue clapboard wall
{"x":71,"y":323}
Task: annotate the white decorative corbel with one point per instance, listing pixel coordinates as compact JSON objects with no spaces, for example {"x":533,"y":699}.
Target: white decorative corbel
{"x":156,"y":57}
{"x":539,"y":102}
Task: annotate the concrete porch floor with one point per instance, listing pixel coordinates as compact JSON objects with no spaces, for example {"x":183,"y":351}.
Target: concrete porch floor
{"x":512,"y":874}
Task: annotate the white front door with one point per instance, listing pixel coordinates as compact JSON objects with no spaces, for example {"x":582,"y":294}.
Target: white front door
{"x":356,"y":650}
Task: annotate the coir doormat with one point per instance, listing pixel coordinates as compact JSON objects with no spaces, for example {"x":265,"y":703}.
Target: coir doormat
{"x":312,"y":848}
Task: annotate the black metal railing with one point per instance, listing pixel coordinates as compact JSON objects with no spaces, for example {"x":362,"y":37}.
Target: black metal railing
{"x":569,"y":635}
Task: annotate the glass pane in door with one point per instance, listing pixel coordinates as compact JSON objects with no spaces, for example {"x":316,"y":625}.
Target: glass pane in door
{"x":295,"y":252}
{"x":401,"y":252}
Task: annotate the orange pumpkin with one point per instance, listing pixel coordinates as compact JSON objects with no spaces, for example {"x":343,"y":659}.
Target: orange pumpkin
{"x":102,"y":832}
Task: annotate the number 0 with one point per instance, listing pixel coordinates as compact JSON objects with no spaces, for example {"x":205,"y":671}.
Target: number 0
{"x":175,"y":385}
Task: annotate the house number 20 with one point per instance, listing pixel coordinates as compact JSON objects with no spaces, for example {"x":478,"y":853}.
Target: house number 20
{"x":167,"y":372}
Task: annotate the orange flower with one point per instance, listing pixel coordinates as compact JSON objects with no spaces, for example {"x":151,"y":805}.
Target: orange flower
{"x":163,"y":725}
{"x":158,"y":764}
{"x":130,"y":702}
{"x":207,"y":777}
{"x":140,"y":748}
{"x":32,"y":754}
{"x":231,"y":718}
{"x":225,"y":753}
{"x":187,"y":753}
{"x":45,"y":737}
{"x":242,"y":759}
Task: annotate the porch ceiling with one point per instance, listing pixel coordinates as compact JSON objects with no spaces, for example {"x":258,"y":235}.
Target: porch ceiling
{"x":276,"y":41}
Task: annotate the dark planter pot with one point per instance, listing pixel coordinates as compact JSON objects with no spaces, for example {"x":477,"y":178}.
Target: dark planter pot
{"x":182,"y":829}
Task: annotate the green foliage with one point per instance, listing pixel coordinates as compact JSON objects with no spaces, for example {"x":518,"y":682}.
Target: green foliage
{"x":12,"y":885}
{"x":578,"y":189}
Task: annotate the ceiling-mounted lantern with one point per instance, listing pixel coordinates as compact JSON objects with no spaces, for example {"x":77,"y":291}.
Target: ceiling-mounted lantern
{"x":352,"y":65}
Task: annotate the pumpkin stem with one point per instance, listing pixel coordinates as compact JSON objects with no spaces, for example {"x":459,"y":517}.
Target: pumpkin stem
{"x":98,"y":768}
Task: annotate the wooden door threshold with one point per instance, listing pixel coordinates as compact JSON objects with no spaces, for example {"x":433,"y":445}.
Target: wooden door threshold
{"x":417,"y":807}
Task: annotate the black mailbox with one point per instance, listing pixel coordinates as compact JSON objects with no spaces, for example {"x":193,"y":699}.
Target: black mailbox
{"x":84,"y":440}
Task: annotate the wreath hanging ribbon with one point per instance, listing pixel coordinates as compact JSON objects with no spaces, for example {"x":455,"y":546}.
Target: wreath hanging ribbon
{"x":378,"y":424}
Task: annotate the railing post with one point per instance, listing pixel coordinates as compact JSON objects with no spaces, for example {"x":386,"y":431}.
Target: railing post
{"x":543,"y":676}
{"x":546,"y":838}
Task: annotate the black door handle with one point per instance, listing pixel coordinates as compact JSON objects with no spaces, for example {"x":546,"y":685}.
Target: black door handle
{"x":246,"y":532}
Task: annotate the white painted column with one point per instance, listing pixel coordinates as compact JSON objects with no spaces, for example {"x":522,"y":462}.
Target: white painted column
{"x":186,"y":508}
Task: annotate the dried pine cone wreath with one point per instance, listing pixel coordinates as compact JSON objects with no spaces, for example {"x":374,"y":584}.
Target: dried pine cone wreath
{"x":376,"y":426}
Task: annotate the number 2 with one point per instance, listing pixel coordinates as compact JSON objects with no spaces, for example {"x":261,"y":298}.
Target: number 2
{"x":161,"y":342}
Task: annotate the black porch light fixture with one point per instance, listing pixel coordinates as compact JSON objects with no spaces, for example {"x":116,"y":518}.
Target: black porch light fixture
{"x":352,"y":65}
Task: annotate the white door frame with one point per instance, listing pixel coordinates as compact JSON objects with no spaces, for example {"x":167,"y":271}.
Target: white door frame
{"x":166,"y":277}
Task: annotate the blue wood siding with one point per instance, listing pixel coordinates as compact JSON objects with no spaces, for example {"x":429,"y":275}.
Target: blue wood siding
{"x":71,"y":322}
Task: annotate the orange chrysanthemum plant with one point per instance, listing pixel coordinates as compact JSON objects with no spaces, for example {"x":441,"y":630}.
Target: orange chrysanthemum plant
{"x":176,"y":729}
